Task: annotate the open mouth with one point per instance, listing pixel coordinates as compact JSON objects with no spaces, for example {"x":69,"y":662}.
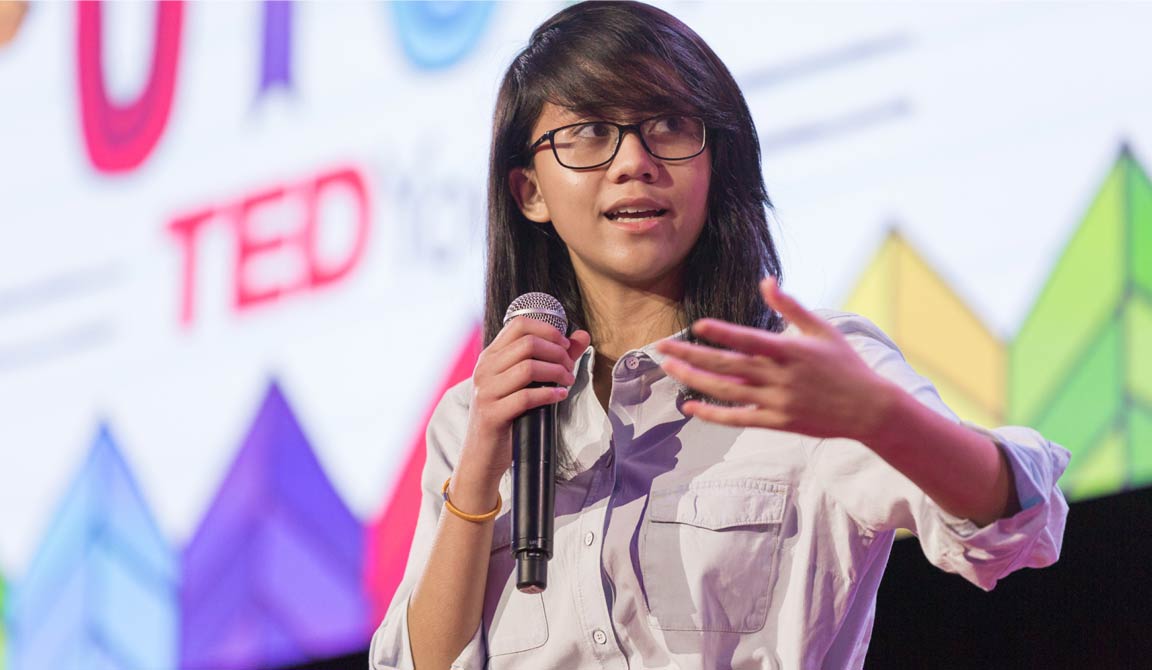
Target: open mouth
{"x":635,"y":214}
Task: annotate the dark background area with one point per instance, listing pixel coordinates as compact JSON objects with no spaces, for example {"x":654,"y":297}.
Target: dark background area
{"x":1092,"y":610}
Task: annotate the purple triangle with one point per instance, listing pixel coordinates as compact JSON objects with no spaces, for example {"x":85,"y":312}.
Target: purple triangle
{"x":276,"y":547}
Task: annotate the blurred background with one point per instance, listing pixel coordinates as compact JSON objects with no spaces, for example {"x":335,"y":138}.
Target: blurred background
{"x":241,"y":258}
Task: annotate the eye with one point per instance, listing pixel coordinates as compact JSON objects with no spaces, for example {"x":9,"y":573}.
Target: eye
{"x":669,"y":124}
{"x":593,"y":130}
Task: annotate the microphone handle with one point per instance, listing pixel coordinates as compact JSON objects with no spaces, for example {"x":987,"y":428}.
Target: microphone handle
{"x":533,"y":496}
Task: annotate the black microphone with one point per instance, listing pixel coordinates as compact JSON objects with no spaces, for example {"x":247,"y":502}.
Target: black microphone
{"x":533,"y":463}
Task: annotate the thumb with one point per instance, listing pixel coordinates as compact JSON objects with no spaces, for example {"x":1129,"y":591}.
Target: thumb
{"x":578,"y":341}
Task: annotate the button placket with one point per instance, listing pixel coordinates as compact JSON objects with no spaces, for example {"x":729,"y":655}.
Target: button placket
{"x":590,"y":598}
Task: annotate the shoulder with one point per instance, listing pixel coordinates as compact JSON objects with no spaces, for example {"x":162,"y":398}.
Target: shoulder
{"x":448,"y":424}
{"x":455,"y":401}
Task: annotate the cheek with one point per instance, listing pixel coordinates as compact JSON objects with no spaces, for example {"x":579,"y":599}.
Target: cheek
{"x":698,"y":197}
{"x":566,"y":193}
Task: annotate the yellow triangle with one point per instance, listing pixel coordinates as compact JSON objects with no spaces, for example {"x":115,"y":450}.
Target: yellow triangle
{"x":964,"y":405}
{"x":873,"y":295}
{"x":938,"y":333}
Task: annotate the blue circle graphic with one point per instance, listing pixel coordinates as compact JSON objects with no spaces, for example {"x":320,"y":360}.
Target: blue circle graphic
{"x":437,"y":33}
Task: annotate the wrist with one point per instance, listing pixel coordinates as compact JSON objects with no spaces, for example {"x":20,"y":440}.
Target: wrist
{"x":474,"y":490}
{"x":888,"y":418}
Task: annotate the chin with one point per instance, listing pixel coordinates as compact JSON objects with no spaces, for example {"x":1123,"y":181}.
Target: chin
{"x":650,"y":280}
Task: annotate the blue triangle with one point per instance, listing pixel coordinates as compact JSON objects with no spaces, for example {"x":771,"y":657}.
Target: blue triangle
{"x":101,"y":587}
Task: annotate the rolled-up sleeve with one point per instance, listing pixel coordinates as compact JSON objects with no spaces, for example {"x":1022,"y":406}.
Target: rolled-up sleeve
{"x":1031,"y":538}
{"x":881,"y":499}
{"x":391,"y":647}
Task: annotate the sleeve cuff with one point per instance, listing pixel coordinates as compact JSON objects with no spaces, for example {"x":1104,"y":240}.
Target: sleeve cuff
{"x":1029,"y":538}
{"x":1030,"y":490}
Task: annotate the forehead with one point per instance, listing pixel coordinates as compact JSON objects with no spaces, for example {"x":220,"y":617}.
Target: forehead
{"x":554,"y":116}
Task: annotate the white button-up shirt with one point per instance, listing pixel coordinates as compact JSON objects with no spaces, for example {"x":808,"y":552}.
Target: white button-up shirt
{"x":685,"y":544}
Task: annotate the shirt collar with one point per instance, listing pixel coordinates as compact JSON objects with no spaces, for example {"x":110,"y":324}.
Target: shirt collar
{"x":584,"y":363}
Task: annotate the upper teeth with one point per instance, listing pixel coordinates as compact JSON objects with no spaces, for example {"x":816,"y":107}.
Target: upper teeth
{"x":632,"y":212}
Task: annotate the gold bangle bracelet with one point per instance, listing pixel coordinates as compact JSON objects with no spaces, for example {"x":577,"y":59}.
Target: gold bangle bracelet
{"x":474,"y":518}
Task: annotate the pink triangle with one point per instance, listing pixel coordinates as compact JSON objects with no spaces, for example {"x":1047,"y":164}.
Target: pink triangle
{"x":390,"y":535}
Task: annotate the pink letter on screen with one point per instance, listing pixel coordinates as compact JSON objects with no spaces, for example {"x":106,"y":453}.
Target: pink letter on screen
{"x":186,"y":230}
{"x":119,"y":137}
{"x":351,"y":182}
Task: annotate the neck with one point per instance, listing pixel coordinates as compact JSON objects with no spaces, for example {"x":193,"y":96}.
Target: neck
{"x":622,"y":318}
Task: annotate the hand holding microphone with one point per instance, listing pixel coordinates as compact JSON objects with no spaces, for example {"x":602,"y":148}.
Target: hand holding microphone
{"x":533,"y":463}
{"x":525,"y":367}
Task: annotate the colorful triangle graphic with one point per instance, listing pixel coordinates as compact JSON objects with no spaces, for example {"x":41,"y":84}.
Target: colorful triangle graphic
{"x":272,"y":574}
{"x":390,"y":535}
{"x":939,"y":334}
{"x":101,"y":589}
{"x":3,"y":624}
{"x":1080,"y":367}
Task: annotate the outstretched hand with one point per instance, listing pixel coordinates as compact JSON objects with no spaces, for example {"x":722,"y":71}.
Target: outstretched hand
{"x":814,"y":383}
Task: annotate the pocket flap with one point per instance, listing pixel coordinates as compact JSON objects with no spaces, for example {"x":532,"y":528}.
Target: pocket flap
{"x":720,"y":504}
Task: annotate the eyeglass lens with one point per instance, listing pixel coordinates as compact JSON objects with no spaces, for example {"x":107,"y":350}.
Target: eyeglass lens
{"x":594,"y":143}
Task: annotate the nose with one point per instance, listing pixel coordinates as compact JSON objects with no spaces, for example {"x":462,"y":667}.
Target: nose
{"x":633,"y":161}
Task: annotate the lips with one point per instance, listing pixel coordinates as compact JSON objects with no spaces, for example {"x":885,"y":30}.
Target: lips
{"x":631,"y":210}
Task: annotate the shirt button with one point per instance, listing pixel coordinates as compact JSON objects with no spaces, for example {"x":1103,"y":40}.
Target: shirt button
{"x":599,"y":636}
{"x":589,"y":537}
{"x":631,"y":362}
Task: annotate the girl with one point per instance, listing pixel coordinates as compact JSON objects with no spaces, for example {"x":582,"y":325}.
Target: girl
{"x":748,"y":531}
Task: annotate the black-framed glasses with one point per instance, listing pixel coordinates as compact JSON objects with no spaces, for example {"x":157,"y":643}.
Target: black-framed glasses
{"x":590,"y":144}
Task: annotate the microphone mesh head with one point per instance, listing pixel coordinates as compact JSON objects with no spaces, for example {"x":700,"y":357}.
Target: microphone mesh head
{"x":539,"y":306}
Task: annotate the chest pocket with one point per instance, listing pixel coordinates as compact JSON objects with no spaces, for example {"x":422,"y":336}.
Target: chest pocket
{"x":709,"y":553}
{"x":513,"y":621}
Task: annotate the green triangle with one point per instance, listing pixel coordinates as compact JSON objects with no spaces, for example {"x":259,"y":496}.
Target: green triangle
{"x":1091,"y":398}
{"x":1140,"y":447}
{"x":1138,"y":345}
{"x":1140,"y":227}
{"x":1099,"y":471}
{"x":1080,"y":296}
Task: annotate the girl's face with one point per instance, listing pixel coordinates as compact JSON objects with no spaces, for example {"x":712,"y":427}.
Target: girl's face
{"x":644,"y":251}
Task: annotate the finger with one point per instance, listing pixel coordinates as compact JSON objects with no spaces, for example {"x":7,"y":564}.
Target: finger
{"x":722,"y":387}
{"x":525,"y":399}
{"x":527,"y":347}
{"x":745,"y":417}
{"x":791,"y":309}
{"x":529,"y":372}
{"x":757,"y":369}
{"x":523,"y":325}
{"x":746,"y":339}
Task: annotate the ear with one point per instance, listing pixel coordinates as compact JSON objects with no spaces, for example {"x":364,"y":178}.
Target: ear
{"x":526,"y":191}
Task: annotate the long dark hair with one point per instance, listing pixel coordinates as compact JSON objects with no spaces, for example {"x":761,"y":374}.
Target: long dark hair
{"x":612,"y":58}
